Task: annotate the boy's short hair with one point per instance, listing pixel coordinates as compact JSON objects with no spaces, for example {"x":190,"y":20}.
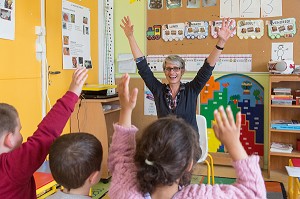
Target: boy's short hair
{"x":74,"y":157}
{"x":8,"y":118}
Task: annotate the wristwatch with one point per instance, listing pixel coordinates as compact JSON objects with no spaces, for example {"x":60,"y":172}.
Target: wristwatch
{"x":139,"y":59}
{"x":219,"y":48}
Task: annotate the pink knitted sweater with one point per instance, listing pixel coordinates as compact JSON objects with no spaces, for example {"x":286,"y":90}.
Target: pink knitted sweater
{"x":249,"y":183}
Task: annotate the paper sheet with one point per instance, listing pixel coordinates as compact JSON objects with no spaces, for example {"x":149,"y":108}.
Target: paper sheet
{"x":282,"y":51}
{"x":271,"y":8}
{"x":149,"y":104}
{"x":293,"y":171}
{"x":76,"y":36}
{"x":229,"y":8}
{"x":250,"y":9}
{"x":126,"y":63}
{"x":7,"y":19}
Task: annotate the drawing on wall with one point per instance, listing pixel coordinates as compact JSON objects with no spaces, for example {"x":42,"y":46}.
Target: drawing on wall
{"x":196,"y":29}
{"x":271,"y":8}
{"x":174,"y":4}
{"x":172,"y":32}
{"x":241,"y":93}
{"x":282,"y":28}
{"x":149,"y":104}
{"x":193,"y":4}
{"x":208,"y":3}
{"x":282,"y":51}
{"x":154,"y":33}
{"x":250,"y":29}
{"x":155,"y":4}
{"x":216,"y":25}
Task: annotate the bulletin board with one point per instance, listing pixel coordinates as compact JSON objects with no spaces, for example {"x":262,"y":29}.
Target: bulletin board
{"x":259,"y":48}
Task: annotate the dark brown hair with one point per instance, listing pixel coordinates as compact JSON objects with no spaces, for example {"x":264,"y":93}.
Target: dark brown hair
{"x":73,"y":158}
{"x":8,"y":118}
{"x":170,"y":144}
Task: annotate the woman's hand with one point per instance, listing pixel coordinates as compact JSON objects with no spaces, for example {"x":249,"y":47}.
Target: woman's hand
{"x":226,"y":30}
{"x":127,"y":26}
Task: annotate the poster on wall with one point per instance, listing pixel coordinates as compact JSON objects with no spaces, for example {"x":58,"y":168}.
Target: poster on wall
{"x":283,"y":50}
{"x":271,"y":8}
{"x":7,"y":19}
{"x":75,"y":36}
{"x":243,"y":94}
{"x":149,"y":104}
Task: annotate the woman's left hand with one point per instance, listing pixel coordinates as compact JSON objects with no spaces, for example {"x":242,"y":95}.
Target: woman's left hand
{"x":226,"y":30}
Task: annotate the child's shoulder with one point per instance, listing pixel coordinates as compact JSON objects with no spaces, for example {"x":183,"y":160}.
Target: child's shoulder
{"x":59,"y":195}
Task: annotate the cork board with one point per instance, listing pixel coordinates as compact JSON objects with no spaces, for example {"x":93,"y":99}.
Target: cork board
{"x":259,"y":48}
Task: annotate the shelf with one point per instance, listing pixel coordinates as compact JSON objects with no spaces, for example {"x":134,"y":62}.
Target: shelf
{"x":294,"y":153}
{"x":278,"y":160}
{"x":285,"y":106}
{"x":285,"y":78}
{"x":111,"y":111}
{"x":284,"y":131}
{"x":102,"y":100}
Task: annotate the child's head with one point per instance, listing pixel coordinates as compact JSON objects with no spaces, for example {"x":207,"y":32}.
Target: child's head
{"x":10,"y":127}
{"x":74,"y":158}
{"x":165,"y":153}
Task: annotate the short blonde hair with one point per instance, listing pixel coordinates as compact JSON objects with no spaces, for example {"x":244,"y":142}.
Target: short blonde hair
{"x":175,"y":59}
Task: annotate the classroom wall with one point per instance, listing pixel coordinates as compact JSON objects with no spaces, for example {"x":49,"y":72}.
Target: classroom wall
{"x":137,"y":12}
{"x":59,"y":84}
{"x":260,"y":49}
{"x":20,"y":76}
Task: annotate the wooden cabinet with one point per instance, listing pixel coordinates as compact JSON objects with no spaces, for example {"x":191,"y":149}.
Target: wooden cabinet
{"x":278,"y":160}
{"x":97,"y":116}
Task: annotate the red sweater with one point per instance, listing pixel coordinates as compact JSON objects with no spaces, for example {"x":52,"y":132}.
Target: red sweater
{"x":17,"y":167}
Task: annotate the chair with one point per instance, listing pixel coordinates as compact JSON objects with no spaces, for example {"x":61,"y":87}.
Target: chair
{"x":293,"y":182}
{"x":203,"y":141}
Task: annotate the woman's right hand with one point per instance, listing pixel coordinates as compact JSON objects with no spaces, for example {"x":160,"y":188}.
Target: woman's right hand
{"x":127,"y":26}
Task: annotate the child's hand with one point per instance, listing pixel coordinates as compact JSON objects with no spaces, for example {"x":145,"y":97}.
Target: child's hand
{"x":127,"y":101}
{"x":127,"y":26}
{"x":228,"y":132}
{"x":78,"y":79}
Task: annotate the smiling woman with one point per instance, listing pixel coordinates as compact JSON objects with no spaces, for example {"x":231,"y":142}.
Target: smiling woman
{"x":175,"y":97}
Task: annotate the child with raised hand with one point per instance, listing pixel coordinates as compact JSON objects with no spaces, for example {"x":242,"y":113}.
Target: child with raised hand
{"x":158,"y":164}
{"x":18,"y":161}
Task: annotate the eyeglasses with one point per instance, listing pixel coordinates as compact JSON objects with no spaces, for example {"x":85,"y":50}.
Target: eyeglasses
{"x":175,"y":69}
